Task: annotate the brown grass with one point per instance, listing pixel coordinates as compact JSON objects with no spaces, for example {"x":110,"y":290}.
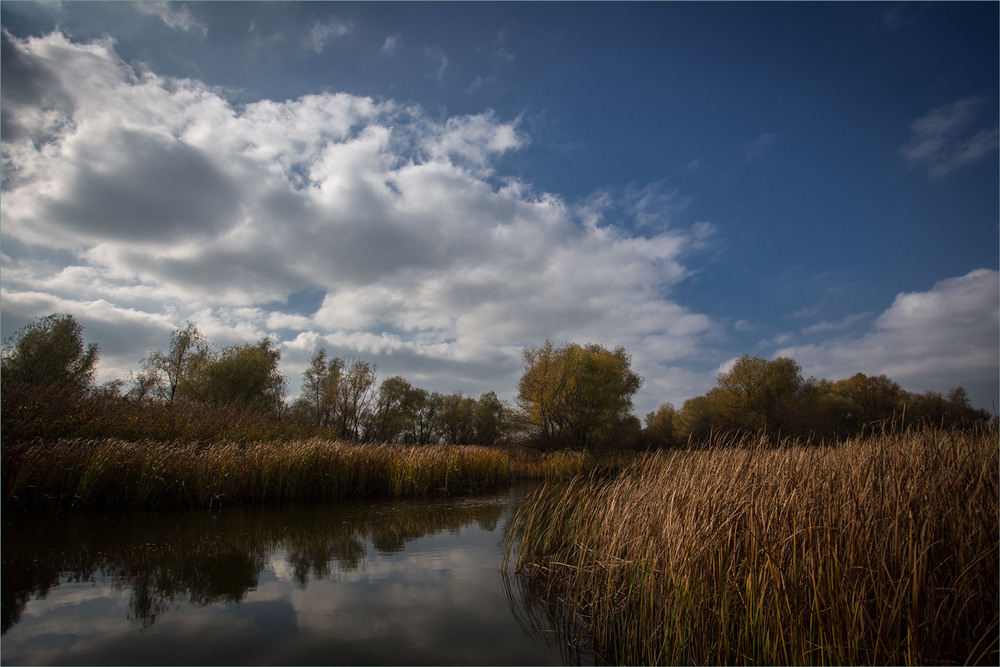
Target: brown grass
{"x":882,"y":550}
{"x":110,"y":473}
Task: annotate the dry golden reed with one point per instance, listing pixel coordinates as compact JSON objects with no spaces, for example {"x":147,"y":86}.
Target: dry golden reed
{"x":881,"y":550}
{"x":113,"y":473}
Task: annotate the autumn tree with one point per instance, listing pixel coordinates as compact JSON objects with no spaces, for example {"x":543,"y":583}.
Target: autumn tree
{"x":166,"y":372}
{"x":392,"y":411}
{"x":659,"y":431}
{"x":571,"y":395}
{"x":759,"y":389}
{"x":458,"y":418}
{"x":489,"y":419}
{"x":50,"y":352}
{"x":425,"y":426}
{"x":243,"y":375}
{"x":320,"y":386}
{"x":354,"y":394}
{"x":878,"y":397}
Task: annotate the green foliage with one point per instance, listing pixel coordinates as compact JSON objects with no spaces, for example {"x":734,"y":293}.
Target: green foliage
{"x":319,"y":388}
{"x":242,"y":375}
{"x":166,"y":373}
{"x":659,"y":432}
{"x":575,"y":396}
{"x":50,"y":351}
{"x":489,"y":420}
{"x":770,"y":397}
{"x":393,"y":410}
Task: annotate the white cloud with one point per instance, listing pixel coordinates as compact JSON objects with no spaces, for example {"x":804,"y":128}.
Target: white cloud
{"x":438,"y":61}
{"x":126,"y":192}
{"x":934,"y":340}
{"x":175,"y":15}
{"x":322,"y":32}
{"x":948,"y":138}
{"x":839,"y":325}
{"x":391,"y":46}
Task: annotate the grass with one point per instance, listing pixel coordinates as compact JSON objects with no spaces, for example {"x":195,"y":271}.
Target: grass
{"x":881,"y":550}
{"x":109,"y":473}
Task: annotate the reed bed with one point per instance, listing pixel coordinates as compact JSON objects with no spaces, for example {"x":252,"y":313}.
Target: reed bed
{"x":112,"y":473}
{"x":881,"y":550}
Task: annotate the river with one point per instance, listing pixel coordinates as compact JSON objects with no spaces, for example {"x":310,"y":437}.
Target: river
{"x":377,"y":582}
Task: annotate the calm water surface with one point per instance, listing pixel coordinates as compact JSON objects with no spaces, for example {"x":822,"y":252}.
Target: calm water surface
{"x":378,"y":582}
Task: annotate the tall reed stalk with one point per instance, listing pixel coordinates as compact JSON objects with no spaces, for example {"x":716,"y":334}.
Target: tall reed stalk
{"x":880,"y":550}
{"x":114,"y":473}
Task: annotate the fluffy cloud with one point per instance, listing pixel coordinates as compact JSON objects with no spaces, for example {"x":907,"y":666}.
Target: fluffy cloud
{"x":924,"y":340}
{"x":131,"y":195}
{"x":947,"y":138}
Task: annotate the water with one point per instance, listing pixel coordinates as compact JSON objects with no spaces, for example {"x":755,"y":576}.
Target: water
{"x":383,"y":582}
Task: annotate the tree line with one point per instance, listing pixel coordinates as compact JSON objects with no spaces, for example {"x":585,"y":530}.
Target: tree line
{"x":757,"y":395}
{"x":572,"y":396}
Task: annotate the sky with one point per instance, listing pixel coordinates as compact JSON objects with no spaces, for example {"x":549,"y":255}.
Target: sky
{"x":434,"y":187}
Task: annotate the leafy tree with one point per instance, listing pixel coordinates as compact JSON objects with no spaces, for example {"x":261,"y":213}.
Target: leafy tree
{"x":166,"y":372}
{"x":319,"y":388}
{"x":458,"y":418}
{"x":700,"y":416}
{"x":243,"y":375}
{"x":425,"y":427}
{"x":878,"y":397}
{"x":489,"y":419}
{"x":50,"y":352}
{"x":757,"y":389}
{"x":573,"y":396}
{"x":355,"y":392}
{"x":392,"y":411}
{"x":659,"y":430}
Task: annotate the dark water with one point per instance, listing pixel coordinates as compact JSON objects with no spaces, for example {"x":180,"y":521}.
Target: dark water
{"x":384,"y":582}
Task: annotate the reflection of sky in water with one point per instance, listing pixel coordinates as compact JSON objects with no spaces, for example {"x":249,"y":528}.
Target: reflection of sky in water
{"x":433,"y":596}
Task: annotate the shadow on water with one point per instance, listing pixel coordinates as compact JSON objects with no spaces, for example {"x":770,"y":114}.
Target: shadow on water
{"x":166,"y":563}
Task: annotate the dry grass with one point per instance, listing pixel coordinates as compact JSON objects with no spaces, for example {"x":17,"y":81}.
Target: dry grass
{"x":880,"y":550}
{"x":114,"y":473}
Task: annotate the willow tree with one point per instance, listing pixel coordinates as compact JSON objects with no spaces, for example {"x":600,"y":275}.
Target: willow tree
{"x":50,"y":352}
{"x":575,"y":395}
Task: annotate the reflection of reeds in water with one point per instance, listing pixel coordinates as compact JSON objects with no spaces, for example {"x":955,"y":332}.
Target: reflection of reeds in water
{"x":880,"y":550}
{"x":112,"y":473}
{"x":205,"y":559}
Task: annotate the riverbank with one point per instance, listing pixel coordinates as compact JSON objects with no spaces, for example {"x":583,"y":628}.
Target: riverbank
{"x":105,"y":474}
{"x":880,"y":550}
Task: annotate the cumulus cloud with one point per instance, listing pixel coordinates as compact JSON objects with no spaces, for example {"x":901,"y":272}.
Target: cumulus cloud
{"x":933,"y":340}
{"x":949,"y":138}
{"x":127,"y":194}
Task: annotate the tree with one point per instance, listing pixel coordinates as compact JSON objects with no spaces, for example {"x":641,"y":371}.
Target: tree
{"x":425,"y":427}
{"x":355,"y":391}
{"x":243,"y":375}
{"x":458,"y":418}
{"x":758,"y":388}
{"x":50,"y":352}
{"x":659,"y":430}
{"x":166,"y":372}
{"x":319,"y":387}
{"x":489,"y":419}
{"x":878,"y":397}
{"x":574,"y":396}
{"x":392,"y":411}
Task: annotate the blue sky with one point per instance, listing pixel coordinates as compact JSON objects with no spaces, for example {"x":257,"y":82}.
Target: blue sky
{"x":434,"y":187}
